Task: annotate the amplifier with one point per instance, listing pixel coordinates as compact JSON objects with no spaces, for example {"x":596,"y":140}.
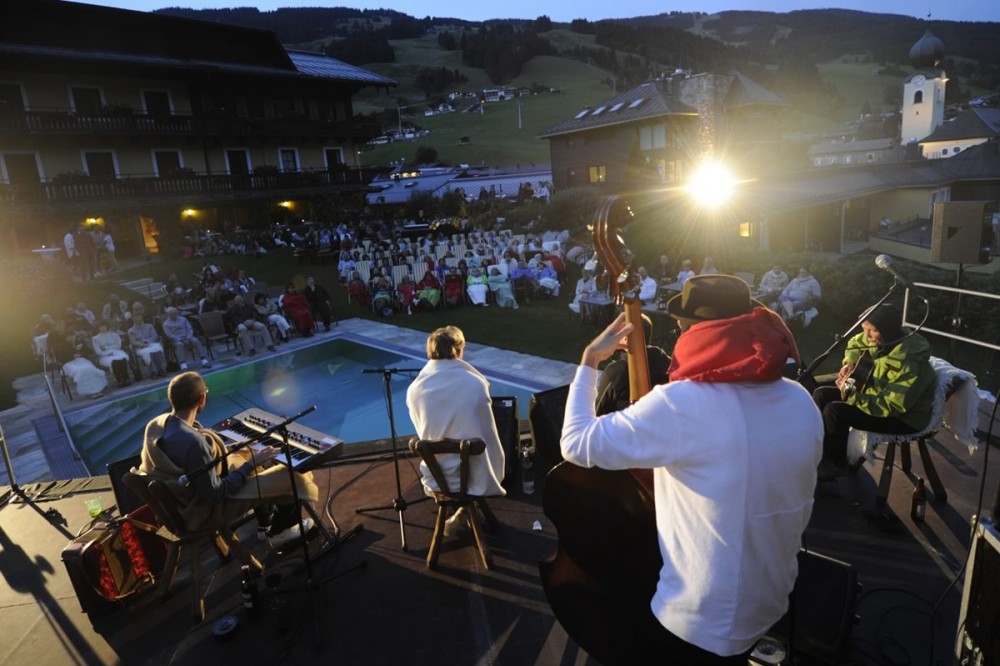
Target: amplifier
{"x":978,"y":640}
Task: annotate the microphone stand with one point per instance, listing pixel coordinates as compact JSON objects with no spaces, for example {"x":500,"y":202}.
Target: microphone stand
{"x":399,"y":503}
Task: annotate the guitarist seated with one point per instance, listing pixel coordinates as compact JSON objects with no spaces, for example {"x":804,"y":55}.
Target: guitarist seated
{"x":886,"y":385}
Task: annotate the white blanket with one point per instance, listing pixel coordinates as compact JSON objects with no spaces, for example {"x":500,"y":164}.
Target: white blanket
{"x":451,"y":399}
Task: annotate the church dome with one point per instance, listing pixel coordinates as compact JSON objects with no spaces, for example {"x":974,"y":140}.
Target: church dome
{"x":927,"y":52}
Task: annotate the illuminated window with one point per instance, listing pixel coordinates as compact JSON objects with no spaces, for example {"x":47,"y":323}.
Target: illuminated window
{"x":582,"y":114}
{"x":598,"y":174}
{"x":636,"y":102}
{"x":617,"y":106}
{"x":598,"y":111}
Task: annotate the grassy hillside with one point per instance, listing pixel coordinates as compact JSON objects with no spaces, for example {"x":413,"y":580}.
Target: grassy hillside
{"x":495,"y":136}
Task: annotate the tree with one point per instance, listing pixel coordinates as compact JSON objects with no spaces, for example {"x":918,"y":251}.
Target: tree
{"x":426,"y":155}
{"x":542,"y":24}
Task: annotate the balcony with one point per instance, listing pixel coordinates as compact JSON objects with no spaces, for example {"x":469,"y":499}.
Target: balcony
{"x":124,"y":121}
{"x":187,"y":187}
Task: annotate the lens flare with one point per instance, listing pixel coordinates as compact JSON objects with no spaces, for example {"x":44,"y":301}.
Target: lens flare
{"x":712,"y":184}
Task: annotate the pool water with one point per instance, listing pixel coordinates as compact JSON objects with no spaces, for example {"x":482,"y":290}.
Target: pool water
{"x":350,"y":404}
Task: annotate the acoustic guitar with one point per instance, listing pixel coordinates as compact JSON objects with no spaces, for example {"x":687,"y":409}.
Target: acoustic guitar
{"x":860,"y":376}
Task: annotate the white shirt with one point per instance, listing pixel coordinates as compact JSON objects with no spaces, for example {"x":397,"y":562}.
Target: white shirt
{"x":733,"y":494}
{"x":647,"y":289}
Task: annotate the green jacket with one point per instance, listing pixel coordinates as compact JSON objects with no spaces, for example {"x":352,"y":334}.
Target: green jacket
{"x":902,"y":382}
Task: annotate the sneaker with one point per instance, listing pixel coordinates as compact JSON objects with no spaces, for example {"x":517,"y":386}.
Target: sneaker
{"x":205,"y":363}
{"x":271,"y":348}
{"x":808,"y":316}
{"x":184,"y":366}
{"x":286,"y":536}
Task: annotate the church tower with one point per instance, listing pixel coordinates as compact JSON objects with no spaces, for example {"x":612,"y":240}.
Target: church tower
{"x":923,"y":93}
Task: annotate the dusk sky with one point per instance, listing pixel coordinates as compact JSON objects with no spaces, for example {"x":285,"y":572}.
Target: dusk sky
{"x":560,"y":10}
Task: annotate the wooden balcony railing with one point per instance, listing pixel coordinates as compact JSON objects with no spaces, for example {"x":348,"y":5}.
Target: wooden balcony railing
{"x":83,"y":188}
{"x":63,"y":121}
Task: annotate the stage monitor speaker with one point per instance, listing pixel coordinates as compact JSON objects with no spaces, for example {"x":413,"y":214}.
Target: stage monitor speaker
{"x":546,"y":413}
{"x":979,"y":617}
{"x":824,"y":600}
{"x":126,"y":501}
{"x":962,"y":232}
{"x":508,"y":427}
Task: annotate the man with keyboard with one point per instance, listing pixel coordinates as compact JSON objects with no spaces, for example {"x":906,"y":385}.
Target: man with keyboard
{"x":886,"y":385}
{"x":177,"y":449}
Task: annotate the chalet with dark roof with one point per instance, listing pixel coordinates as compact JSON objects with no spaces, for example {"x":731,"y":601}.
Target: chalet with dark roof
{"x":651,"y":135}
{"x":109,"y":116}
{"x":969,"y":128}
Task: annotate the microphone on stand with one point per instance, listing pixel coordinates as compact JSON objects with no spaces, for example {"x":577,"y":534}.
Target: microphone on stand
{"x":884,"y":262}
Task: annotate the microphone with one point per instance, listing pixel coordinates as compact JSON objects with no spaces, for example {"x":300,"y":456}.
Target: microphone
{"x":884,"y":262}
{"x":183,"y":481}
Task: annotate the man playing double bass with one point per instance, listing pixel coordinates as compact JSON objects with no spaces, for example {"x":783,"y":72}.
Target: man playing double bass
{"x":733,"y":448}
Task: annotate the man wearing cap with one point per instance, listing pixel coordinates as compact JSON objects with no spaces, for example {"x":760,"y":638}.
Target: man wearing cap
{"x":729,"y":531}
{"x":896,"y":395}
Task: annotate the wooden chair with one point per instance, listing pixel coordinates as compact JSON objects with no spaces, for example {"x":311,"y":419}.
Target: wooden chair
{"x":179,"y":541}
{"x":446,"y":498}
{"x":947,"y":386}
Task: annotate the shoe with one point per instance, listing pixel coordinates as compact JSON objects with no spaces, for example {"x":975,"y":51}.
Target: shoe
{"x":271,"y":348}
{"x":184,"y":366}
{"x":829,"y":470}
{"x":286,"y":536}
{"x":456,"y":523}
{"x":252,"y":352}
{"x":205,"y":363}
{"x":808,"y":316}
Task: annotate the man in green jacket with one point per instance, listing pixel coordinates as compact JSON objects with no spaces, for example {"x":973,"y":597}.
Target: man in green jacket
{"x":896,"y":396}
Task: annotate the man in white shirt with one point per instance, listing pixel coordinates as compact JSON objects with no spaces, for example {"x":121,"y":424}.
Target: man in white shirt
{"x":729,"y":535}
{"x":647,"y":286}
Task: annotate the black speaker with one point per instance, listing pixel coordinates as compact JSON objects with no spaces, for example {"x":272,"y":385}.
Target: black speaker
{"x":508,"y":427}
{"x":546,"y":412}
{"x":979,"y":618}
{"x":127,"y":502}
{"x":962,"y":232}
{"x":824,"y":601}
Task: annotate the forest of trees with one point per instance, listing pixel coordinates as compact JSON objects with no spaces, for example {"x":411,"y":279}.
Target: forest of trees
{"x":501,"y":50}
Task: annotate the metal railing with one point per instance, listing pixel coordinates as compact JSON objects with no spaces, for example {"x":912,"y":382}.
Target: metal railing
{"x":946,"y":334}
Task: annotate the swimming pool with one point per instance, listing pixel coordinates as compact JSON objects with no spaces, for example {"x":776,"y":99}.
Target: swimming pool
{"x":349,"y":404}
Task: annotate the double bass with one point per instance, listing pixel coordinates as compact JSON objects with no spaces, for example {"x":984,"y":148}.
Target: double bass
{"x":601,"y":578}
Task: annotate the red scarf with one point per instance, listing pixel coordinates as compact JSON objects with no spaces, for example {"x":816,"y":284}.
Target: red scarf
{"x":751,"y":347}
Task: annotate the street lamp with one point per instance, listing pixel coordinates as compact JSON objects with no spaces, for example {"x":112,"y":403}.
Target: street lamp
{"x":712,"y":184}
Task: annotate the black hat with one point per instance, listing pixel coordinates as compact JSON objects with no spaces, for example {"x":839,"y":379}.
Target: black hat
{"x":888,"y":320}
{"x":706,"y":297}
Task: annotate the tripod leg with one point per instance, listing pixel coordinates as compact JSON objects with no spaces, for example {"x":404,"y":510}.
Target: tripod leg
{"x":402,"y":531}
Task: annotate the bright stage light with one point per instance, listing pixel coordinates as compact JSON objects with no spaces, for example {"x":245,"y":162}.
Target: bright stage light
{"x":712,"y":184}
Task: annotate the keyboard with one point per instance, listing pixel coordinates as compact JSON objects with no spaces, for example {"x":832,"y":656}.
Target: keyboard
{"x":309,"y":448}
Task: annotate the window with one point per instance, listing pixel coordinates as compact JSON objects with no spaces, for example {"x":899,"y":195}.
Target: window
{"x":100,"y":164}
{"x":652,"y":137}
{"x":598,"y":174}
{"x":944,"y":152}
{"x":581,"y":114}
{"x":334,"y":157}
{"x":956,"y":149}
{"x":636,"y":103}
{"x":918,"y":97}
{"x":598,"y":111}
{"x":288,"y":159}
{"x":616,"y":106}
{"x":237,"y":162}
{"x":166,"y":162}
{"x":86,"y":101}
{"x":156,"y":102}
{"x":10,"y":98}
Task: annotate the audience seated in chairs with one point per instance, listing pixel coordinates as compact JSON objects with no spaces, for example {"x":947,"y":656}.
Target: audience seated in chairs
{"x":686,"y":271}
{"x":108,"y":347}
{"x":663,"y":271}
{"x":454,"y":288}
{"x":548,"y":279}
{"x":382,"y":293}
{"x":116,"y":312}
{"x":585,"y":286}
{"x":799,"y":298}
{"x":772,"y":283}
{"x":502,"y":288}
{"x":268,"y":311}
{"x":647,"y":286}
{"x":428,"y":292}
{"x":319,"y":302}
{"x":524,"y":279}
{"x":179,"y":332}
{"x":477,"y":286}
{"x":708,"y":267}
{"x":357,"y":290}
{"x":296,"y":307}
{"x":406,"y":293}
{"x":89,"y":380}
{"x":243,"y":318}
{"x":146,"y":343}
